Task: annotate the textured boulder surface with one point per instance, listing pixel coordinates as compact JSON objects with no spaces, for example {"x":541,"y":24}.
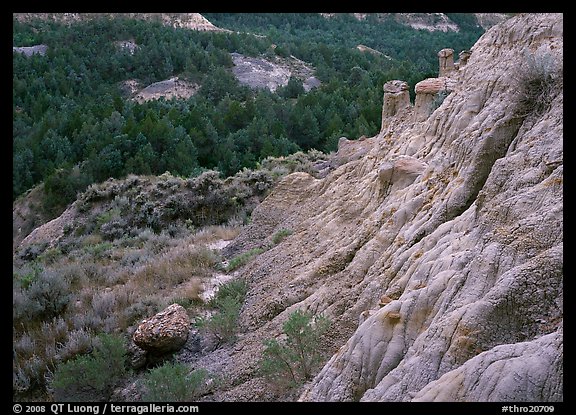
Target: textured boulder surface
{"x":443,"y":282}
{"x":165,"y":332}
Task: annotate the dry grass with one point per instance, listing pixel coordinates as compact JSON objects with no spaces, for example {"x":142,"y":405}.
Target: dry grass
{"x":211,"y":234}
{"x":176,"y":266}
{"x":112,"y":286}
{"x":186,"y":294}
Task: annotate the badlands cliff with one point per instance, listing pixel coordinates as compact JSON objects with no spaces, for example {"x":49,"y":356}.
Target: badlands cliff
{"x":437,"y":251}
{"x":193,"y":21}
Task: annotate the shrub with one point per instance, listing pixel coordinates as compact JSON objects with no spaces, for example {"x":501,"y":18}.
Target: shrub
{"x":29,"y":374}
{"x":36,"y":353}
{"x":173,"y":382}
{"x":106,"y":217}
{"x":114,"y":229}
{"x":46,"y":297}
{"x":235,"y":289}
{"x":178,"y":265}
{"x":104,"y":303}
{"x":243,"y":259}
{"x":79,"y":342}
{"x":29,"y":275}
{"x":50,"y":255}
{"x":222,"y":325}
{"x":31,"y":252}
{"x":228,"y":300}
{"x":281,"y":235}
{"x":91,"y":377}
{"x":292,"y":361}
{"x":538,"y":83}
{"x":134,"y":313}
{"x":439,"y":99}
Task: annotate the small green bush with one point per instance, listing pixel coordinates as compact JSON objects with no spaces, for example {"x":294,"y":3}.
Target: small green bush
{"x":91,"y":377}
{"x":50,"y":255}
{"x":228,"y":300}
{"x":106,"y":217}
{"x":187,"y":302}
{"x":29,"y":275}
{"x":281,"y":235}
{"x":222,"y":325}
{"x":99,"y":250}
{"x":439,"y":99}
{"x":243,"y":259}
{"x":235,"y":289}
{"x":173,"y":382}
{"x":293,"y":361}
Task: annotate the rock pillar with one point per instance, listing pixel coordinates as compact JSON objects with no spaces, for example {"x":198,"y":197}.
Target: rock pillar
{"x":396,"y":98}
{"x":429,"y":95}
{"x":446,"y":62}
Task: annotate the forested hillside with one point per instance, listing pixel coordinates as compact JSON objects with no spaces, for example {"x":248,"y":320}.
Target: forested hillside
{"x":74,"y":122}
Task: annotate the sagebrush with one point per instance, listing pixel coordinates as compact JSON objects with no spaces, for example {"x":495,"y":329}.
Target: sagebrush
{"x":291,"y":361}
{"x":91,"y":377}
{"x":538,"y":83}
{"x":173,"y":382}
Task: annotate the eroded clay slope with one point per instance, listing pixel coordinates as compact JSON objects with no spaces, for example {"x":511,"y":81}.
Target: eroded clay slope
{"x":437,"y":254}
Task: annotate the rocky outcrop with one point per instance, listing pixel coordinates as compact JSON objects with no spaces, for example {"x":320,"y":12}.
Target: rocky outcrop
{"x":396,"y":99}
{"x":49,"y":233}
{"x":445,"y":62}
{"x":427,"y":95}
{"x":460,"y":276}
{"x":259,"y":73}
{"x":427,"y":21}
{"x":487,"y":20}
{"x":350,"y":150}
{"x":194,"y":21}
{"x":430,"y":21}
{"x":399,"y":172}
{"x":31,"y":50}
{"x":504,"y":373}
{"x":168,"y":89}
{"x":444,"y":285}
{"x":396,"y":104}
{"x":165,"y":332}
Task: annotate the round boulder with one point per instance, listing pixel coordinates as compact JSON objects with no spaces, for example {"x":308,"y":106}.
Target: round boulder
{"x":166,"y":332}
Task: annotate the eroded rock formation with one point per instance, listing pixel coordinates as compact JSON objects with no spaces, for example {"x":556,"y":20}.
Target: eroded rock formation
{"x":435,"y":247}
{"x":443,"y":285}
{"x":194,"y":21}
{"x":429,"y":95}
{"x":396,"y":99}
{"x":446,"y":62}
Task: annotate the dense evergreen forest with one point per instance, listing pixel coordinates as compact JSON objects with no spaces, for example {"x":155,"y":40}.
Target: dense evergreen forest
{"x":73,"y":124}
